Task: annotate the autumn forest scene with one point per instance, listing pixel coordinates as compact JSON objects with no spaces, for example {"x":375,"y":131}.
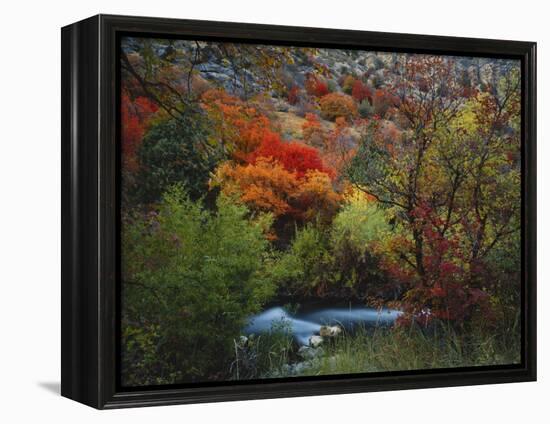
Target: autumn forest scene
{"x":300,"y":211}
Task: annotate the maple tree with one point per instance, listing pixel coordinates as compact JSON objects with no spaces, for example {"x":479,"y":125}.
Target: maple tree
{"x":425,"y":182}
{"x":264,"y":186}
{"x":316,"y":197}
{"x":293,"y":156}
{"x":237,"y":126}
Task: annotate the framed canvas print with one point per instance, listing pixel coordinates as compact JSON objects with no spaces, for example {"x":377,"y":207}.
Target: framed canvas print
{"x":254,"y":211}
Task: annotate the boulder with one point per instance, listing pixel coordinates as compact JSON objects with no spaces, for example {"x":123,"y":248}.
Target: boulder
{"x":315,"y":341}
{"x":330,"y":331}
{"x":309,"y":353}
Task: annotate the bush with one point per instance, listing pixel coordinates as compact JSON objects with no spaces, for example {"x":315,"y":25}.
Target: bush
{"x":361,"y":92}
{"x":312,"y":131}
{"x":174,"y":151}
{"x":347,"y":83}
{"x":356,"y":231}
{"x":382,"y":102}
{"x":316,"y":86}
{"x":190,"y":280}
{"x":360,"y":221}
{"x":334,"y":105}
{"x":293,"y":95}
{"x":304,"y":269}
{"x":365,"y":109}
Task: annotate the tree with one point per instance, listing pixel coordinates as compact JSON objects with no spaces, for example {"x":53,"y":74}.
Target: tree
{"x":238,"y":127}
{"x":267,"y":186}
{"x":442,"y":177}
{"x":316,"y":86}
{"x":294,"y":156}
{"x":361,"y":92}
{"x":190,"y":278}
{"x":173,"y":151}
{"x":304,"y":270}
{"x":264,"y":186}
{"x":336,"y":105}
{"x":135,"y":116}
{"x":316,"y":198}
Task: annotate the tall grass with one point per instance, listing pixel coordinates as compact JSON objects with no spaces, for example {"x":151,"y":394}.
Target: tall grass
{"x":414,"y":348}
{"x":265,"y":354}
{"x":389,"y":349}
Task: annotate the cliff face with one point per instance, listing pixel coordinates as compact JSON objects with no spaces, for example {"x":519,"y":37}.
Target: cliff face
{"x":238,"y":67}
{"x":377,"y":69}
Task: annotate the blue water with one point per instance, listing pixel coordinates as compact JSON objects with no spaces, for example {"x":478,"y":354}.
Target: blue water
{"x":303,"y":325}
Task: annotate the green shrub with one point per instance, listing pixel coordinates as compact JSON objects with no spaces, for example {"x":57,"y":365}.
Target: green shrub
{"x":175,"y":151}
{"x":190,"y":280}
{"x":336,"y":262}
{"x":359,"y":221}
{"x":358,"y":226}
{"x":307,"y":263}
{"x":332,"y":86}
{"x":365,"y":109}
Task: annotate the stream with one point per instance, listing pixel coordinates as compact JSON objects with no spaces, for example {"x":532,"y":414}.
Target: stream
{"x":308,"y":321}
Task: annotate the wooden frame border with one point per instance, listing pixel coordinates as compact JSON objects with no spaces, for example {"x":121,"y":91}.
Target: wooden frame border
{"x":89,"y":209}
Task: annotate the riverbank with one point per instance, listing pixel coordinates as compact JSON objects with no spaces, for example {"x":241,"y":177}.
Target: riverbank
{"x":276,"y":355}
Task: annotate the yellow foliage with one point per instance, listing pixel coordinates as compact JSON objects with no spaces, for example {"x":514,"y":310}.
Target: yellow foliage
{"x":317,"y":196}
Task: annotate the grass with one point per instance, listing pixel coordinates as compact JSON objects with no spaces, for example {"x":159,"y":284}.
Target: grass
{"x":412,"y":349}
{"x":387,"y":349}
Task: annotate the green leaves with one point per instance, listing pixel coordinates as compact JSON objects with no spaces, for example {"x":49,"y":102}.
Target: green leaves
{"x":197,"y":275}
{"x":176,"y":151}
{"x":359,"y":222}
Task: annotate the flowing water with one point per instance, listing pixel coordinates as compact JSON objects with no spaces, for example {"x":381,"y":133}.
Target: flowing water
{"x":307,"y":322}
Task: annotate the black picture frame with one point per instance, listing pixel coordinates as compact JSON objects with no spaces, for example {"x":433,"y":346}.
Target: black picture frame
{"x":90,"y":211}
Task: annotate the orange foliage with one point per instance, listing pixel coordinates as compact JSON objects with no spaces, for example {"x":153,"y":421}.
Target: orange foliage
{"x":315,"y":86}
{"x":383,"y":101}
{"x":264,"y":186}
{"x":317,"y":197}
{"x":239,"y":127}
{"x":312,"y":131}
{"x":338,"y":150}
{"x":267,"y":186}
{"x":334,"y":105}
{"x":293,"y":156}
